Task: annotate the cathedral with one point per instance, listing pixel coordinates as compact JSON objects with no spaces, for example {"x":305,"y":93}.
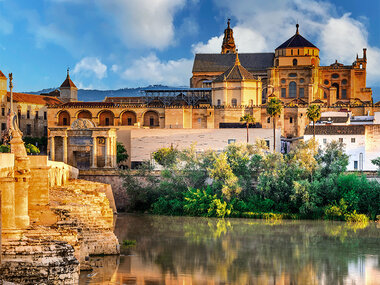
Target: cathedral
{"x":227,"y":85}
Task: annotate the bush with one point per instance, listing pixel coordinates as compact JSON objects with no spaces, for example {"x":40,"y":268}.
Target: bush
{"x":5,"y":148}
{"x":356,"y":218}
{"x":31,"y":149}
{"x":165,"y":156}
{"x":121,"y":153}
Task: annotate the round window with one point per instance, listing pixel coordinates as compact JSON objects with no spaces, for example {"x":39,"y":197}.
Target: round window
{"x":335,"y":75}
{"x":283,"y":81}
{"x":302,"y":80}
{"x":326,"y":82}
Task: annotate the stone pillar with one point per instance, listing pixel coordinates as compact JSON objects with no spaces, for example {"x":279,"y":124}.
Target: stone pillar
{"x":114,"y":150}
{"x":94,"y":152}
{"x":65,"y":149}
{"x":8,"y":206}
{"x":21,"y":201}
{"x":106,"y":149}
{"x":52,"y":149}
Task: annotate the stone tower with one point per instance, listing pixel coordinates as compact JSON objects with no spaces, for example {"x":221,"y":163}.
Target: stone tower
{"x":69,"y":92}
{"x":228,"y":45}
{"x":3,"y":89}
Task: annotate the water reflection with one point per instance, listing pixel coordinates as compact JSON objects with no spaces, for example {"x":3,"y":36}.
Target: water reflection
{"x":184,"y":250}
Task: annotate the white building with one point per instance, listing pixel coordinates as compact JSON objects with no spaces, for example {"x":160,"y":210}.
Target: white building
{"x":360,"y":135}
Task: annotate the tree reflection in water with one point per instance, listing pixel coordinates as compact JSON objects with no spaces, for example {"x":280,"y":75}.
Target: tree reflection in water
{"x":173,"y":250}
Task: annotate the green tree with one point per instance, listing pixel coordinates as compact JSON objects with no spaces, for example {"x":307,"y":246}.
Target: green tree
{"x":248,"y":119}
{"x":274,"y":108}
{"x":314,"y":114}
{"x":121,"y":152}
{"x":166,"y":156}
{"x":376,"y":162}
{"x":5,"y":148}
{"x":31,"y":149}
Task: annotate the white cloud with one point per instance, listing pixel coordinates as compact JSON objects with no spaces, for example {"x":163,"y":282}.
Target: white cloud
{"x":151,"y":70}
{"x":90,"y":66}
{"x":115,"y":68}
{"x":247,"y":40}
{"x":144,"y":22}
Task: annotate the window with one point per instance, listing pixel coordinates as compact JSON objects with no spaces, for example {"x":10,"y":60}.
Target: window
{"x":268,"y":143}
{"x":107,"y":121}
{"x":45,"y":115}
{"x":302,"y":80}
{"x":324,"y":95}
{"x":230,"y":141}
{"x":28,"y":114}
{"x":344,"y":93}
{"x":283,"y":81}
{"x":353,"y":140}
{"x":293,"y":75}
{"x":291,"y":120}
{"x":45,"y":131}
{"x":283,"y":92}
{"x":129,"y":122}
{"x":325,"y":141}
{"x":302,"y":92}
{"x":28,"y":129}
{"x":291,"y":52}
{"x":292,"y":89}
{"x":268,"y":120}
{"x":326,"y":82}
{"x":294,"y":62}
{"x":3,"y":111}
{"x":218,"y":102}
{"x":356,"y":165}
{"x":335,"y":75}
{"x":344,"y":81}
{"x":151,"y":121}
{"x":276,"y":62}
{"x":298,"y":51}
{"x":234,"y":102}
{"x":3,"y":126}
{"x":36,"y":115}
{"x":340,"y":140}
{"x":64,"y":122}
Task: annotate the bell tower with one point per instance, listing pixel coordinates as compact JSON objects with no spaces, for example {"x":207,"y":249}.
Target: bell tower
{"x":228,"y":45}
{"x":69,"y":92}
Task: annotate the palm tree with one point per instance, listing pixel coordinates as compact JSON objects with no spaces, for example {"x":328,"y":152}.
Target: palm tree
{"x":248,"y":119}
{"x":314,"y":114}
{"x":274,"y":108}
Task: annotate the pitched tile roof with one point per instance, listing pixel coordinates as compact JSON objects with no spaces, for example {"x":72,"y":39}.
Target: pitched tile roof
{"x":336,"y":130}
{"x":296,"y":41}
{"x":335,"y":120}
{"x":235,"y":73}
{"x":68,"y":83}
{"x":34,"y":99}
{"x":2,"y":75}
{"x":216,"y":62}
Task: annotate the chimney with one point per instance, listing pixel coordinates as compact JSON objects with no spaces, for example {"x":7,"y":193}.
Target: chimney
{"x":364,"y":53}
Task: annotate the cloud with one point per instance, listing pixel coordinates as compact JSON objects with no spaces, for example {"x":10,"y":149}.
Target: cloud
{"x":90,"y":66}
{"x":247,"y":40}
{"x":151,"y":70}
{"x":143,"y":22}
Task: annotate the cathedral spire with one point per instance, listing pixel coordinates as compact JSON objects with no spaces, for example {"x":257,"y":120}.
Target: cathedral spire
{"x":297,"y":26}
{"x":237,"y":61}
{"x":228,"y":45}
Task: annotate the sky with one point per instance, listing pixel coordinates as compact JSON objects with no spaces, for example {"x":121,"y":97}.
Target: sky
{"x":112,"y":44}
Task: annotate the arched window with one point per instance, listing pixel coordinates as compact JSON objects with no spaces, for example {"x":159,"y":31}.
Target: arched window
{"x":276,"y":62}
{"x":128,"y":118}
{"x":218,"y":102}
{"x":106,"y":118}
{"x":84,"y":114}
{"x":292,"y":89}
{"x":64,"y":119}
{"x":234,"y":102}
{"x":151,"y":119}
{"x":295,"y":62}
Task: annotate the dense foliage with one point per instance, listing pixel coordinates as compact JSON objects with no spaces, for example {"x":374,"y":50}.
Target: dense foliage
{"x":121,"y":153}
{"x":250,"y":181}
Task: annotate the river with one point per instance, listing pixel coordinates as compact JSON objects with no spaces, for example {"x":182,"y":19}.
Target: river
{"x":187,"y":250}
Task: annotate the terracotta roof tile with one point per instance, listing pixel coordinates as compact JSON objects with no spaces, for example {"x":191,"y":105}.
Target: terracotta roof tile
{"x":235,"y":73}
{"x":34,"y":99}
{"x":68,"y":83}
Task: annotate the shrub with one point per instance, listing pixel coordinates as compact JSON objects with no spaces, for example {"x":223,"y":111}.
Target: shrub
{"x":121,"y":153}
{"x":31,"y":149}
{"x":356,"y":218}
{"x":5,"y":148}
{"x":166,"y":156}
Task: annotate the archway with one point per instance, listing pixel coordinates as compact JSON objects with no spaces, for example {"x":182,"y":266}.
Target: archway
{"x":84,"y":114}
{"x":106,"y":118}
{"x":128,"y":118}
{"x":336,"y":85}
{"x":151,"y":119}
{"x":64,"y":118}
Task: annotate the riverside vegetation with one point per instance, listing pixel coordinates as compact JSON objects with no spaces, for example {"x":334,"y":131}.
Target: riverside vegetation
{"x":249,"y":181}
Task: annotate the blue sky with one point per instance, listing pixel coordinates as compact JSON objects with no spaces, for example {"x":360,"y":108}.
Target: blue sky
{"x":111,"y":44}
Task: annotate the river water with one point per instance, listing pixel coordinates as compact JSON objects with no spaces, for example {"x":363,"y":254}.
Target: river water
{"x":186,"y":250}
